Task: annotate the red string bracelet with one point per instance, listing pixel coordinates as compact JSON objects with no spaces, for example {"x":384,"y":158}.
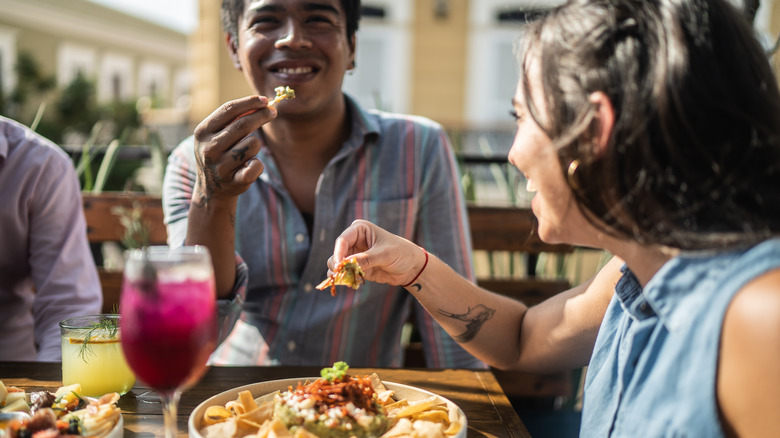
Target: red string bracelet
{"x":421,"y":270}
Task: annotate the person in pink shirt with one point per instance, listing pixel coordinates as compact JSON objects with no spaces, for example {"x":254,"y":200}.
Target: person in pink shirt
{"x":47,"y":272}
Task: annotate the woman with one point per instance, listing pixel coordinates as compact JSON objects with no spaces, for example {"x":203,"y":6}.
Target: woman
{"x":650,"y":129}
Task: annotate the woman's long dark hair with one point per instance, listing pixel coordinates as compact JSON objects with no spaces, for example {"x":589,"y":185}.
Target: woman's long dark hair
{"x":693,"y":161}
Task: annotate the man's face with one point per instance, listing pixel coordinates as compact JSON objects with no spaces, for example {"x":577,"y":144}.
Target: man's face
{"x":299,"y":43}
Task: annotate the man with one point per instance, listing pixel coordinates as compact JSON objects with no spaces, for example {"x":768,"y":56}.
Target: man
{"x":47,"y":272}
{"x":276,"y":187}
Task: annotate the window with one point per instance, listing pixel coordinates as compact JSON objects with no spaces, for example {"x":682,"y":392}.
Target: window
{"x":115,"y":82}
{"x":381,"y":77}
{"x":495,"y":28}
{"x":153,"y":82}
{"x":73,"y":60}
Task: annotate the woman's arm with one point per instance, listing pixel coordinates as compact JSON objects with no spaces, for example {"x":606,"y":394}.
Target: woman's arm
{"x":555,"y":335}
{"x":748,"y":384}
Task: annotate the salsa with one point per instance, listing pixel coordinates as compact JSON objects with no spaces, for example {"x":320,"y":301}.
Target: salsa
{"x":344,"y":407}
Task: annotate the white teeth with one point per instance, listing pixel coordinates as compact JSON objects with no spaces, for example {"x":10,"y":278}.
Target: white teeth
{"x":295,"y":71}
{"x":530,"y":186}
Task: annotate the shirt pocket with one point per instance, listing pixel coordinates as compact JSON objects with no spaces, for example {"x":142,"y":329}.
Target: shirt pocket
{"x":398,"y":216}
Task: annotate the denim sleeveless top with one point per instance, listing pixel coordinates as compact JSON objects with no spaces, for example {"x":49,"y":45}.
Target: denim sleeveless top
{"x":654,"y":364}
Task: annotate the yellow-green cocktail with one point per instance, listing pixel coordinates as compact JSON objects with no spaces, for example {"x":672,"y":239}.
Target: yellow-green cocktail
{"x":92,"y":355}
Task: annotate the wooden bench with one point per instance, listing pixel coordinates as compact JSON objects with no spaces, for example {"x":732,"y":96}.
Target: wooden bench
{"x":104,"y":224}
{"x":514,"y":230}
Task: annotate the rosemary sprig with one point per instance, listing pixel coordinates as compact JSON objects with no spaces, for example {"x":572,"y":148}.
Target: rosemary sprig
{"x":105,"y":326}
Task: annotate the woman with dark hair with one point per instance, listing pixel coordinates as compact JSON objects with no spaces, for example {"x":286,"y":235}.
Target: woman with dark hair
{"x":650,"y":129}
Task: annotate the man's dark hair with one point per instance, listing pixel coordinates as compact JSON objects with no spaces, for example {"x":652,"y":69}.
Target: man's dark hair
{"x":232,"y":9}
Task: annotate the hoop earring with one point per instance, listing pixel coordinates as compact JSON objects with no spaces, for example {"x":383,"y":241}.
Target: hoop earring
{"x":571,"y":174}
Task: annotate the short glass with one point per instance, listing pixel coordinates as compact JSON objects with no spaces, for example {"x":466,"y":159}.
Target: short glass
{"x":92,"y":355}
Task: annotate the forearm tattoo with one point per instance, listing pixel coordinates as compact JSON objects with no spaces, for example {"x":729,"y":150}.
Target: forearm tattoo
{"x":474,"y":319}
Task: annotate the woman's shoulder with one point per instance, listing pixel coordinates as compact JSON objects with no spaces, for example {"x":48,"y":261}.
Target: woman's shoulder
{"x":757,"y":306}
{"x":748,"y":372}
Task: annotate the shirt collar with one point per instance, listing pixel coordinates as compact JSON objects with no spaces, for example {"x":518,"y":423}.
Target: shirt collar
{"x":364,"y":131}
{"x":365,"y":124}
{"x":676,"y":291}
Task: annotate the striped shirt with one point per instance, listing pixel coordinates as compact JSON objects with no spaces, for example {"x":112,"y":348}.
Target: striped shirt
{"x":394,"y":170}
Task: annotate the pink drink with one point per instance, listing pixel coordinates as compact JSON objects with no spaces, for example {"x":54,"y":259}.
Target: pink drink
{"x":167,"y":336}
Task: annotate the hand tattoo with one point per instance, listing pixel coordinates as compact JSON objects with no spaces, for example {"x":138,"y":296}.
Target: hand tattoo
{"x":475,"y":318}
{"x":239,"y":154}
{"x":210,"y":181}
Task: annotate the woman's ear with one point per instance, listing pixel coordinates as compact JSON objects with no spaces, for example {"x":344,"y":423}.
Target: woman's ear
{"x":232,"y":47}
{"x":605,"y":119}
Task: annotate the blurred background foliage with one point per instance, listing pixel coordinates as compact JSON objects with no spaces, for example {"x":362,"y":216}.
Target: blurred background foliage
{"x":91,"y":133}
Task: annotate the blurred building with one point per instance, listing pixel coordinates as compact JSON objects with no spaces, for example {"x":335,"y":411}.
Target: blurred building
{"x":127,"y":58}
{"x":450,"y":60}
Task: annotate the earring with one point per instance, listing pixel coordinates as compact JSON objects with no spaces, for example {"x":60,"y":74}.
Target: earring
{"x":570,"y":174}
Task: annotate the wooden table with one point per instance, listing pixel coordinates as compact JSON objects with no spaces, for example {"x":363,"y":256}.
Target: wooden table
{"x":477,"y":392}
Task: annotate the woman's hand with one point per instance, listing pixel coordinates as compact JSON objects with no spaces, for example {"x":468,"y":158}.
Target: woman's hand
{"x":225,"y":150}
{"x":383,"y":256}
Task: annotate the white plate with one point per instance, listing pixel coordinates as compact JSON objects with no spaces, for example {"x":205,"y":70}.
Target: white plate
{"x":257,"y":390}
{"x":119,"y":429}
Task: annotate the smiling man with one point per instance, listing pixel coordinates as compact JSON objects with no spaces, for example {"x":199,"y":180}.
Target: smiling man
{"x":268,"y":190}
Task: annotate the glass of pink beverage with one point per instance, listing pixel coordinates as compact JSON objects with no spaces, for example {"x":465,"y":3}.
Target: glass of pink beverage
{"x":169,"y":328}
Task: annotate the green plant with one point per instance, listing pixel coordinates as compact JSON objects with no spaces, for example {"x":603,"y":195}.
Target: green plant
{"x":32,"y":84}
{"x":136,"y":229}
{"x":76,"y":107}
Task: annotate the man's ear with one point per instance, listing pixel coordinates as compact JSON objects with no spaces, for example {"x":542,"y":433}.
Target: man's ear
{"x":352,"y":46}
{"x":605,"y":119}
{"x":232,"y":47}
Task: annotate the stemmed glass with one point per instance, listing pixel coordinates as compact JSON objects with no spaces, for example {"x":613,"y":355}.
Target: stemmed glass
{"x":169,"y":329}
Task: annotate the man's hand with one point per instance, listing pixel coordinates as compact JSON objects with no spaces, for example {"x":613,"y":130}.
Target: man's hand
{"x":225,"y":149}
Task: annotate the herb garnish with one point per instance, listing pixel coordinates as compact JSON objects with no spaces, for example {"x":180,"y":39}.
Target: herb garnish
{"x":337,"y":371}
{"x":106,"y":328}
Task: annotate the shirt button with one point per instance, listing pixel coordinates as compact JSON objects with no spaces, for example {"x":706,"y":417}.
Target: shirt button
{"x":300,"y":237}
{"x":307,"y":287}
{"x":291,"y":346}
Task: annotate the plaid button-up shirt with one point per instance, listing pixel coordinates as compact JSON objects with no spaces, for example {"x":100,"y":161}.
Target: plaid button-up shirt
{"x":396,"y":171}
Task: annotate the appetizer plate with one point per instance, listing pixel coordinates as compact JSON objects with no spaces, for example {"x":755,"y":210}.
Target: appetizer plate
{"x":116,"y":432}
{"x":258,"y":390}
